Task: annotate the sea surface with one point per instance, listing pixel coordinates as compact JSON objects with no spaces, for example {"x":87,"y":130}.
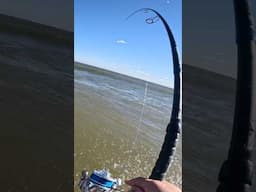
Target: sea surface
{"x":36,"y":82}
{"x":120,"y":124}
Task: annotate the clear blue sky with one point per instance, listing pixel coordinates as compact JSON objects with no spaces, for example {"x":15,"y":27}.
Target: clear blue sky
{"x":104,"y":38}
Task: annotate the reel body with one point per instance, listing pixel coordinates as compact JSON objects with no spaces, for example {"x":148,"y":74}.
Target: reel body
{"x":98,"y":181}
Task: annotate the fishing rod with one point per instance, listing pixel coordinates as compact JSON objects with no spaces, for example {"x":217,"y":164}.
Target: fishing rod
{"x":236,"y":173}
{"x":101,"y":180}
{"x":174,"y":127}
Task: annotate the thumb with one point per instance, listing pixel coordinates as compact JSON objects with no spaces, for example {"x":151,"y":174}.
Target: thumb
{"x":137,"y":184}
{"x":136,"y":189}
{"x":139,"y":181}
{"x":135,"y":181}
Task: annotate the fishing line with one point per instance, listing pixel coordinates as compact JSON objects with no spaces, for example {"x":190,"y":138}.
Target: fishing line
{"x":174,"y":127}
{"x":141,"y":113}
{"x":101,"y":180}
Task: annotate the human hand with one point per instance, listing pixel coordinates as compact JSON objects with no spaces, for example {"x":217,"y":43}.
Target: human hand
{"x":149,"y":185}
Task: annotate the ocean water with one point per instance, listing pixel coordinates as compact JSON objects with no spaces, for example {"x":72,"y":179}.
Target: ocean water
{"x":120,"y":124}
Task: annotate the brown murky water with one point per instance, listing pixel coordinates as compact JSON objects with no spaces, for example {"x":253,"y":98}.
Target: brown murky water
{"x":108,"y":130}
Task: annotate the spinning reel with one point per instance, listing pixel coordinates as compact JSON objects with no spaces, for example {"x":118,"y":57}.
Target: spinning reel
{"x":99,"y":181}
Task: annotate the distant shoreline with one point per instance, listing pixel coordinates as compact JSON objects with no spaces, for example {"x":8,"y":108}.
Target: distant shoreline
{"x":14,"y":25}
{"x":87,"y":67}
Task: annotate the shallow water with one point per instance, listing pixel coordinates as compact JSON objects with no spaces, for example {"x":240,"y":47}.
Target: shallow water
{"x":108,"y":130}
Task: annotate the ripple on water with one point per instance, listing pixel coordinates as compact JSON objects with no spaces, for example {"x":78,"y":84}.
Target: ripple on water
{"x":106,"y":125}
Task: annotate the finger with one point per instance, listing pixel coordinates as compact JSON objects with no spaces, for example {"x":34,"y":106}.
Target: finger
{"x":140,"y":182}
{"x":136,"y":189}
{"x":137,"y":181}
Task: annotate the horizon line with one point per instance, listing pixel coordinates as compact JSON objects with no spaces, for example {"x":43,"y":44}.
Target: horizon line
{"x":110,"y":70}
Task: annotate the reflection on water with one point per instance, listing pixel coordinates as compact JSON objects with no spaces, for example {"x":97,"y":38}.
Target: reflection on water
{"x":107,"y":121}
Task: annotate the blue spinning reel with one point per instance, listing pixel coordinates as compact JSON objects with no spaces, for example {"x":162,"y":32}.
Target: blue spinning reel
{"x":99,"y":181}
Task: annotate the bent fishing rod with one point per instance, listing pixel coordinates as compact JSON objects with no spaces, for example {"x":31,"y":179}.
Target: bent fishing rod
{"x":174,"y":127}
{"x":101,"y":180}
{"x":236,"y":174}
